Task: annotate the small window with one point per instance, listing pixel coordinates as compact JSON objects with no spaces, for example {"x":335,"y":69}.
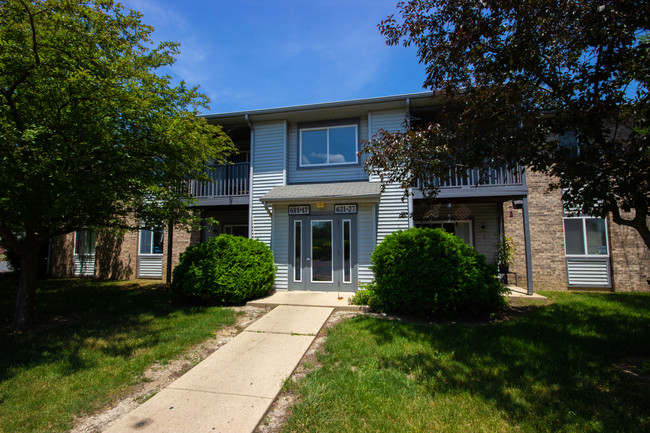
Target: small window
{"x":328,"y":145}
{"x":585,"y":236}
{"x":84,"y":242}
{"x":151,"y":241}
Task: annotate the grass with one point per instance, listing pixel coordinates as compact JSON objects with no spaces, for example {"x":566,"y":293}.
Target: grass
{"x":91,"y":343}
{"x":553,"y":369}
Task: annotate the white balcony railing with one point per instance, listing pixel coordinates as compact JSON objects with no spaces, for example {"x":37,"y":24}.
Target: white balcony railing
{"x":226,"y":180}
{"x":460,"y":177}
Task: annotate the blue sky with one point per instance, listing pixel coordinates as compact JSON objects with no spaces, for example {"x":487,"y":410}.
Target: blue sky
{"x":254,"y":54}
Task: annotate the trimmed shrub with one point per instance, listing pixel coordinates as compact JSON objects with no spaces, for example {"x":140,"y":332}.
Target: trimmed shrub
{"x":363,"y":296}
{"x":226,"y":270}
{"x":423,"y":271}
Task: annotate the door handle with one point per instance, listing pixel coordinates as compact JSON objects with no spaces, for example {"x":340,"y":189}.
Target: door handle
{"x":308,"y":259}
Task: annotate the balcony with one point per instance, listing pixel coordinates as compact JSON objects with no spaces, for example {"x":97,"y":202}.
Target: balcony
{"x":494,"y":182}
{"x":229,"y":185}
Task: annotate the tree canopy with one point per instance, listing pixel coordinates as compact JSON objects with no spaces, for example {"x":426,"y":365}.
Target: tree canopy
{"x":559,"y":86}
{"x":92,"y":134}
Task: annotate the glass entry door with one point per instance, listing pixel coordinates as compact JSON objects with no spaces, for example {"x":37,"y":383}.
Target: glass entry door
{"x":323,"y":253}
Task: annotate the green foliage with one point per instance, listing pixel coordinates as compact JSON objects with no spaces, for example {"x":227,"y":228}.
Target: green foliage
{"x":226,"y":270}
{"x":91,"y":133}
{"x":365,"y":295}
{"x":514,"y":81}
{"x":426,"y":271}
{"x":506,"y":251}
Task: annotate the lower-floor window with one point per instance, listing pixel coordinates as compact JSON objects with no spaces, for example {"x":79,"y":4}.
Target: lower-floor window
{"x":585,"y":236}
{"x":587,"y":252}
{"x":84,"y":242}
{"x":151,"y":241}
{"x":462,"y":229}
{"x":84,"y":253}
{"x":150,"y":259}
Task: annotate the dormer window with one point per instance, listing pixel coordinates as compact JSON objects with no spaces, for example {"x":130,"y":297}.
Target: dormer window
{"x":328,"y":145}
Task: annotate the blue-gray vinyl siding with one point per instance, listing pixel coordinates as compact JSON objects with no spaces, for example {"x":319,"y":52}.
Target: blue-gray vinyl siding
{"x":281,"y":244}
{"x":393,"y":208}
{"x":268,"y":171}
{"x":336,"y":173}
{"x":366,"y":238}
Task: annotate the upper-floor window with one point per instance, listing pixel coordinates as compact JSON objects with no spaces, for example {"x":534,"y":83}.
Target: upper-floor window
{"x":330,"y":145}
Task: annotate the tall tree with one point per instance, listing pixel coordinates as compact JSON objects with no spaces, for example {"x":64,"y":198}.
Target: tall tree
{"x":91,"y":135}
{"x":560,"y":86}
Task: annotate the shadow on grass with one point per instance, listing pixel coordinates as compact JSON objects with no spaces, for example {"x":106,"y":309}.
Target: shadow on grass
{"x":71,"y":315}
{"x":550,"y":370}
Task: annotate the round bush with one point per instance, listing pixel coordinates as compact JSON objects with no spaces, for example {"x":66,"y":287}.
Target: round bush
{"x":226,"y":270}
{"x":424,"y":271}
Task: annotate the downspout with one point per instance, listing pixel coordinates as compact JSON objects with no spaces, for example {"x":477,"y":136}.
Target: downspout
{"x":250,"y":178}
{"x":170,"y":245}
{"x":529,"y":258}
{"x":410,"y":190}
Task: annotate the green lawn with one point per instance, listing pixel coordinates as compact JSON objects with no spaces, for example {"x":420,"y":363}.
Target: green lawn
{"x":553,"y":369}
{"x":92,"y":342}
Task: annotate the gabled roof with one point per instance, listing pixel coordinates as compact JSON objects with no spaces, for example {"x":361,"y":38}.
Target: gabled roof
{"x":363,"y":191}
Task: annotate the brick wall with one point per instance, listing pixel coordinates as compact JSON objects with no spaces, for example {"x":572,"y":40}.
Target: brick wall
{"x":116,"y":254}
{"x":182,"y":240}
{"x":546,"y":233}
{"x":630,"y":259}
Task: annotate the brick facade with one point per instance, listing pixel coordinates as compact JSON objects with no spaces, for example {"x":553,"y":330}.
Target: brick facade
{"x":116,"y":254}
{"x":630,"y":259}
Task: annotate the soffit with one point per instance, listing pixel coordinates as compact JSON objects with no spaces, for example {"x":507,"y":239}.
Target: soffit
{"x":325,"y":111}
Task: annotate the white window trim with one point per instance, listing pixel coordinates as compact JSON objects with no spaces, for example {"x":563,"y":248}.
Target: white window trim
{"x":327,"y":128}
{"x":469,"y":222}
{"x":77,"y":253}
{"x":584,"y":237}
{"x":311,"y":247}
{"x":152,"y":230}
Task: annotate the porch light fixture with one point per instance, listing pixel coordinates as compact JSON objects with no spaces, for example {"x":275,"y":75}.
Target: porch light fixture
{"x":517,"y":204}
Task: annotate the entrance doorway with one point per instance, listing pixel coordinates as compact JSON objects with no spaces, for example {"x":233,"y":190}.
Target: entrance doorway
{"x":322,"y":253}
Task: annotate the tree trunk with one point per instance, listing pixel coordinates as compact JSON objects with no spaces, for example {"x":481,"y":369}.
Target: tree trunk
{"x":639,"y":223}
{"x":24,"y":312}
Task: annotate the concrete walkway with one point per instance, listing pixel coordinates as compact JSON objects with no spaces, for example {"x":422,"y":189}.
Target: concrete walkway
{"x":231,"y":390}
{"x":519,"y":292}
{"x":338,"y":300}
